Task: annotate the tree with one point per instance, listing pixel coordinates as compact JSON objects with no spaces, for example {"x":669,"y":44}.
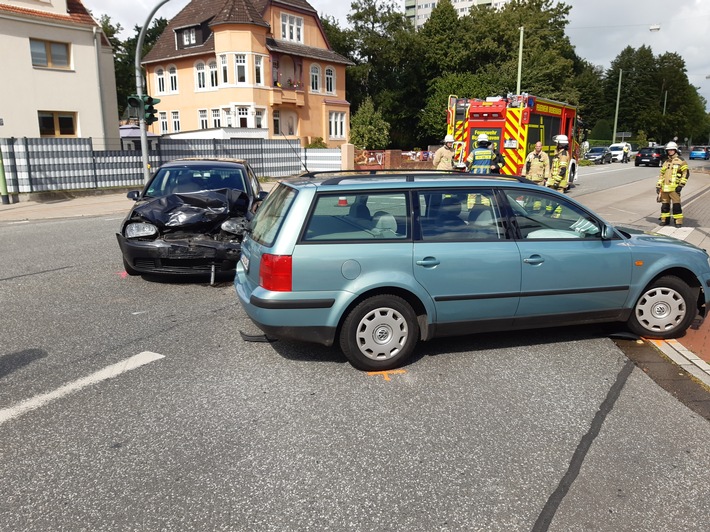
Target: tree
{"x":368,"y":129}
{"x":125,"y":58}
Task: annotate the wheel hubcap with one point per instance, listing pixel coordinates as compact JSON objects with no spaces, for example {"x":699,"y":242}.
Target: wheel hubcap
{"x":661,"y":310}
{"x":382,"y":333}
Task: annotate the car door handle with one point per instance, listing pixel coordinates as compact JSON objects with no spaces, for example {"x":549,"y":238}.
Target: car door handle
{"x":428,"y":261}
{"x":534,"y":259}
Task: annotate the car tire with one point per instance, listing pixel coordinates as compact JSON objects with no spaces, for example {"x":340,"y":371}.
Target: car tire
{"x":129,"y":269}
{"x":636,"y":163}
{"x":379,"y":333}
{"x":665,"y":309}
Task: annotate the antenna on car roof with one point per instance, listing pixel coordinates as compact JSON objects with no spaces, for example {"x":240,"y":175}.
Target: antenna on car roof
{"x":294,"y":151}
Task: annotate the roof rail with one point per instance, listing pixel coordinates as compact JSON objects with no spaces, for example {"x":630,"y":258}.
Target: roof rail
{"x":409,"y":174}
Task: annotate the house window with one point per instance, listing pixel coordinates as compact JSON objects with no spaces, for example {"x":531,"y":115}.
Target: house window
{"x":160,"y":80}
{"x":315,"y":78}
{"x":277,"y":122}
{"x":172,"y":72}
{"x":242,"y":116}
{"x":213,"y":74}
{"x":56,"y":124}
{"x":223,"y":62}
{"x":336,"y":125}
{"x":163,"y":119}
{"x":258,"y":70}
{"x":291,"y":28}
{"x":216,"y":118}
{"x":259,"y":118}
{"x":240,"y":68}
{"x":330,"y":80}
{"x":200,"y":81}
{"x":202,"y":116}
{"x":49,"y":54}
{"x":176,"y":120}
{"x":188,"y":37}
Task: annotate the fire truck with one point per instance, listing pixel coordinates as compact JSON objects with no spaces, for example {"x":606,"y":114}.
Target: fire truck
{"x":513,"y":124}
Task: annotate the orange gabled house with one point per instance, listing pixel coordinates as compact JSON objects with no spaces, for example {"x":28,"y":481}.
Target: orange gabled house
{"x":248,"y":69}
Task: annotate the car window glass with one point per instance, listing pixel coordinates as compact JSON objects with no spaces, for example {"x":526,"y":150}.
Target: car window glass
{"x":460,"y":215}
{"x":371,"y":216}
{"x":539,"y":215}
{"x":267,"y":222}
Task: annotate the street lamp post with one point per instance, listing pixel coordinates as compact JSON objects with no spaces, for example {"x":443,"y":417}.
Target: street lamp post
{"x":139,"y":90}
{"x":616,"y":113}
{"x":520,"y":60}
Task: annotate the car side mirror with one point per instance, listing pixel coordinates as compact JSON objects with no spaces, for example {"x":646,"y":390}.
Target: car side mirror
{"x":134,"y":195}
{"x":608,"y":232}
{"x":262,"y":195}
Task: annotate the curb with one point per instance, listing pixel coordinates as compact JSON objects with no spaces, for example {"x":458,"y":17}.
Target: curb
{"x":684,"y":358}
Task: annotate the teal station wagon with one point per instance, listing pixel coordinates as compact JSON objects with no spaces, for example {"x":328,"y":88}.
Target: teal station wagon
{"x":378,"y":262}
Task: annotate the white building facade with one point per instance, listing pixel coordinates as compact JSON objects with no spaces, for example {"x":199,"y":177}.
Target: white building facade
{"x":419,"y":11}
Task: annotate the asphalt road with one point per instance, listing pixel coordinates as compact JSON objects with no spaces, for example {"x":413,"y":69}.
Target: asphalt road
{"x":533,"y":430}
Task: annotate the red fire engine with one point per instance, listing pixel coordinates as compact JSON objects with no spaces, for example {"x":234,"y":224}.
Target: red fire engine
{"x":514,"y":124}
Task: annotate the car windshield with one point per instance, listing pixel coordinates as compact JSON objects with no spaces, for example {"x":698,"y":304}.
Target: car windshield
{"x":194,"y":178}
{"x":596,"y":150}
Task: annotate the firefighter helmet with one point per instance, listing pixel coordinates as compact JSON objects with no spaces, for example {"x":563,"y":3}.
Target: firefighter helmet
{"x":448,"y":138}
{"x":482,"y":138}
{"x":672,"y":146}
{"x":561,"y":139}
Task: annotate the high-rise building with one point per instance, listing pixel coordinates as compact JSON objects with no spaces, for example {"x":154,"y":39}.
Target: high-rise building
{"x":419,"y":11}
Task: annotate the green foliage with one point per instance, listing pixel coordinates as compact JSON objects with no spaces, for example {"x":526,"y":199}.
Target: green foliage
{"x":601,"y":130}
{"x":317,"y":142}
{"x":368,"y":130}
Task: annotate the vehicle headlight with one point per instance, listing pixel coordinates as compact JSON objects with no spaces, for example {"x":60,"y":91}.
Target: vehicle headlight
{"x":235,"y":226}
{"x":140,"y":229}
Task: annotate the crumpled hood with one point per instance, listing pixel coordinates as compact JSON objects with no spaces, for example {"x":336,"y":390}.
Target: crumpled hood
{"x":204,"y":208}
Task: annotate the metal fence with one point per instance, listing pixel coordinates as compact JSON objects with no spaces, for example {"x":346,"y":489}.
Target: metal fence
{"x":43,"y":164}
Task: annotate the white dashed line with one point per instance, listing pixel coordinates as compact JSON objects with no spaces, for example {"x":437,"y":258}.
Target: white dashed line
{"x":109,"y":372}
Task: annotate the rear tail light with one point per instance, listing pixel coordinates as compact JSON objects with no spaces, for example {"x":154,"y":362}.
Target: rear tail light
{"x":275,"y":272}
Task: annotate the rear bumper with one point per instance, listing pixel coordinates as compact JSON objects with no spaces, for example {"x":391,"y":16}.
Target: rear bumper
{"x":178,"y":257}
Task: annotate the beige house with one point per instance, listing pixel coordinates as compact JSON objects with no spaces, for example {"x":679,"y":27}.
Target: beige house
{"x":251,"y":68}
{"x":58,"y":71}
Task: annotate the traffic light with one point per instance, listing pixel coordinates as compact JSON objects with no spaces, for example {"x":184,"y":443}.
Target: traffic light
{"x":135,"y":101}
{"x":149,"y":109}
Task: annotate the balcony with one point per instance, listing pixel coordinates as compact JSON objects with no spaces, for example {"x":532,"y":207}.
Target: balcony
{"x":288,"y":95}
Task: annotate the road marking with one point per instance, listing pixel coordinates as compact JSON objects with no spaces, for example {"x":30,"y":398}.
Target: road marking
{"x":386,"y":374}
{"x":109,"y":372}
{"x":681,"y":233}
{"x":20,"y":222}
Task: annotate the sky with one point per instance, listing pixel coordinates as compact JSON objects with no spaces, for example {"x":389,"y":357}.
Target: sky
{"x":599,"y":30}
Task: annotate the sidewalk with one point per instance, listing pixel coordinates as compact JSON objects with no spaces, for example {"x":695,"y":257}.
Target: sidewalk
{"x":691,"y":352}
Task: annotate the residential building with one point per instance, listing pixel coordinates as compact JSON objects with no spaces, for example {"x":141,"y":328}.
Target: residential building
{"x":419,"y":11}
{"x":59,"y":73}
{"x":252,"y":68}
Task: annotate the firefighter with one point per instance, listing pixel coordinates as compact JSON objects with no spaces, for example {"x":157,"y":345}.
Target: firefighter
{"x":482,"y":160}
{"x":537,"y":165}
{"x":674,"y":176}
{"x":558,"y":173}
{"x":444,"y":156}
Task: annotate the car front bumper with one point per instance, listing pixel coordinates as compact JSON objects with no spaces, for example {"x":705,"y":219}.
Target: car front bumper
{"x":186,"y":257}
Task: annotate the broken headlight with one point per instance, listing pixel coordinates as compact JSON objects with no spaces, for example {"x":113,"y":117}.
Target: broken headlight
{"x":140,"y":229}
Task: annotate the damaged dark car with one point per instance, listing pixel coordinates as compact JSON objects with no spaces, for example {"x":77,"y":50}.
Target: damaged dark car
{"x":190,"y":218}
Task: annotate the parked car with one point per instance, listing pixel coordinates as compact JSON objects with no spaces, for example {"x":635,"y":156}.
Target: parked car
{"x":700,"y":152}
{"x":650,"y":156}
{"x":376,"y":263}
{"x":617,"y":151}
{"x":190,"y":218}
{"x":599,"y":155}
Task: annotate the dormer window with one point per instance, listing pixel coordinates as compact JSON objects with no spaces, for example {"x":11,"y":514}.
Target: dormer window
{"x":291,"y":28}
{"x":188,"y":37}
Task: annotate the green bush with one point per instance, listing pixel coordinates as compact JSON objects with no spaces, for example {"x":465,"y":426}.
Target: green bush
{"x":317,"y":142}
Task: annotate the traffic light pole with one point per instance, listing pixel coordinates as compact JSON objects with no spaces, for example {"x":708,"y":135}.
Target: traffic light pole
{"x":139,"y":90}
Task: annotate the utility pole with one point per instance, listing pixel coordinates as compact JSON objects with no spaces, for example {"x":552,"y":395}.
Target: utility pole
{"x":139,"y":90}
